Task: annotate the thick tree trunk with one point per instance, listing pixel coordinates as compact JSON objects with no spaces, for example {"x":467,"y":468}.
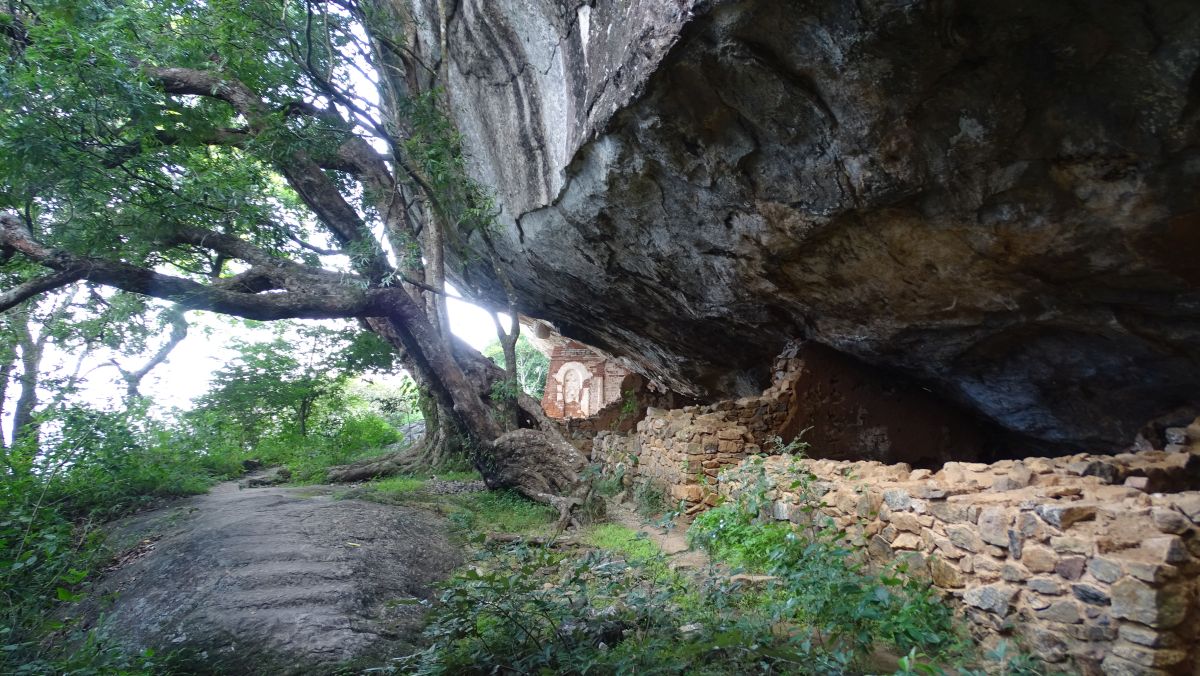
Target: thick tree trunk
{"x":537,"y":460}
{"x":272,"y":287}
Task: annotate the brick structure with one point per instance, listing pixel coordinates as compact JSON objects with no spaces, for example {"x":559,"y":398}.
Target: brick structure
{"x":580,"y":381}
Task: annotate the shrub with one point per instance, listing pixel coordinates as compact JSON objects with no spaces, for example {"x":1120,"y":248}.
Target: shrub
{"x":650,"y":499}
{"x":732,"y":535}
{"x":534,"y":610}
{"x":609,"y":485}
{"x":823,"y":581}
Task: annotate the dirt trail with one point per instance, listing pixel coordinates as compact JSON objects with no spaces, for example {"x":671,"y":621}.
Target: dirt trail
{"x":272,"y":580}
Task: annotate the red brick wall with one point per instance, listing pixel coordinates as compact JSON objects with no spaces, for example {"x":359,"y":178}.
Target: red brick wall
{"x":580,"y":382}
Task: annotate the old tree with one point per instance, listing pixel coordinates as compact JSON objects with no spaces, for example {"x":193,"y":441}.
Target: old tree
{"x":267,"y":160}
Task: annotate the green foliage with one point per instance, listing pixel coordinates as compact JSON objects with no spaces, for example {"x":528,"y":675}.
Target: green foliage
{"x":436,"y":146}
{"x":501,"y":511}
{"x":75,"y":104}
{"x":277,"y":385}
{"x":92,"y":465}
{"x":98,"y":656}
{"x":632,"y":545}
{"x":336,"y":442}
{"x":504,"y":390}
{"x":608,"y":485}
{"x":397,"y":400}
{"x":650,"y":499}
{"x":40,"y":554}
{"x":731,"y":535}
{"x":532,"y":365}
{"x":620,"y":611}
{"x":1016,"y":663}
{"x":470,"y":513}
{"x":287,"y":401}
{"x":629,"y":404}
{"x":392,"y":487}
{"x":117,"y":462}
{"x":823,"y":581}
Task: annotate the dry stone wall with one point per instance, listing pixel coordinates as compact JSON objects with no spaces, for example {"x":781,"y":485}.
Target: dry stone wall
{"x":845,"y":411}
{"x":1088,"y":560}
{"x":1091,"y":561}
{"x":684,"y":449}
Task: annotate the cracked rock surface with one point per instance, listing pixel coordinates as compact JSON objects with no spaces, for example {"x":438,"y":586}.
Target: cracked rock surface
{"x":997,"y":200}
{"x":280,"y":580}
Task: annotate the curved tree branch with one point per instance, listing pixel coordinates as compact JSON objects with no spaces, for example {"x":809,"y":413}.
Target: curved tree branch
{"x":315,"y":294}
{"x":179,"y":331}
{"x":305,"y":175}
{"x":39,"y":285}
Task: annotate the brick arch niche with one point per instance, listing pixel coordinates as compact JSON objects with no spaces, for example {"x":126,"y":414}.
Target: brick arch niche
{"x":580,"y":382}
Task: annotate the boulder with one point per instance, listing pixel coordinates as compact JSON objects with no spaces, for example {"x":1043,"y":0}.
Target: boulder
{"x":688,"y":185}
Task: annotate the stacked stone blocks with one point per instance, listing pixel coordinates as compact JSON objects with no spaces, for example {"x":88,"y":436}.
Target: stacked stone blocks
{"x":1080,"y":558}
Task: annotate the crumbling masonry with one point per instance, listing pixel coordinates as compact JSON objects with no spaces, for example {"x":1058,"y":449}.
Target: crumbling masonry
{"x":1090,"y":561}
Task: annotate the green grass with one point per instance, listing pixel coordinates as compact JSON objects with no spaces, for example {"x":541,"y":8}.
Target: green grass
{"x":394,"y":486}
{"x":500,"y":511}
{"x":470,"y":513}
{"x":636,"y":548}
{"x":397,"y":485}
{"x":633,"y":545}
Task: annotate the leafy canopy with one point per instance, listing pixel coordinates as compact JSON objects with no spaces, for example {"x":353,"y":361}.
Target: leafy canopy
{"x":108,"y":164}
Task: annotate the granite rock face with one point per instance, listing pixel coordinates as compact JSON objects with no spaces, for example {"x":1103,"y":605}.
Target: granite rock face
{"x":997,"y":200}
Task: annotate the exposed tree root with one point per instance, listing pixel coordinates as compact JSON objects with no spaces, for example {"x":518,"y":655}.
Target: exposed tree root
{"x":544,"y":467}
{"x":409,"y":460}
{"x":536,"y":461}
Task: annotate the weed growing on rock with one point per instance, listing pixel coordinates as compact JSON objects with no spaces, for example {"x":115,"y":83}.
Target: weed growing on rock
{"x":606,"y":485}
{"x":398,"y":485}
{"x":470,"y":512}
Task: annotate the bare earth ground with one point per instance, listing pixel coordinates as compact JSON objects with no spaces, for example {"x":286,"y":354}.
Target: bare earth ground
{"x":272,"y":580}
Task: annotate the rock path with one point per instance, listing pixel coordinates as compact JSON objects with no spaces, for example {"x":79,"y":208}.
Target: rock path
{"x":272,"y":580}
